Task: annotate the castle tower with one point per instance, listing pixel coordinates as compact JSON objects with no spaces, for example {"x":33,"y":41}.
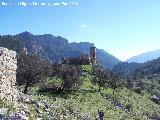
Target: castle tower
{"x":93,"y":56}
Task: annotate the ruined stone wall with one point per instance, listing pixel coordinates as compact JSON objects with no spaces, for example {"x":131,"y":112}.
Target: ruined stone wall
{"x":93,"y":56}
{"x":8,"y":66}
{"x":93,"y":52}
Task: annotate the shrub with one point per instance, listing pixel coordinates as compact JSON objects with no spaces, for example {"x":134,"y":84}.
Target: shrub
{"x":129,"y":107}
{"x":137,"y":90}
{"x":71,"y":77}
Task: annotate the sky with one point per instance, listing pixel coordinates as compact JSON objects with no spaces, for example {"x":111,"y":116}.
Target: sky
{"x":124,"y":28}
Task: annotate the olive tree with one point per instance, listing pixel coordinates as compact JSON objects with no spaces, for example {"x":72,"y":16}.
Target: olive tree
{"x":31,"y":69}
{"x":102,"y":77}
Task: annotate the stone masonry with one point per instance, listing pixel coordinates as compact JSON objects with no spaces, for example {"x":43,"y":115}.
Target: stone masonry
{"x":8,"y":66}
{"x":93,"y":56}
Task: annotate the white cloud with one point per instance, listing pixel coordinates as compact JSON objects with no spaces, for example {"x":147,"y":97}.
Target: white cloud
{"x":83,"y":25}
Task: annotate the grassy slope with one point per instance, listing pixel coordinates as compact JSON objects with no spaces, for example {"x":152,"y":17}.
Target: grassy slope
{"x":87,"y":101}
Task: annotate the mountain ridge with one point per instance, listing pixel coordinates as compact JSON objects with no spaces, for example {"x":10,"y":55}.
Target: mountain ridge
{"x":144,"y":57}
{"x":149,"y":68}
{"x":55,"y":47}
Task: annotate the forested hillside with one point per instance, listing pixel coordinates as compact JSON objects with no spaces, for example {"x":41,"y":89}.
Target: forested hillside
{"x":150,"y":68}
{"x":125,"y":69}
{"x":141,"y":77}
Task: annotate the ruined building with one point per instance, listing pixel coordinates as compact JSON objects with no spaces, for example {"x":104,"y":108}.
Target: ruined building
{"x":83,"y":59}
{"x":93,"y":56}
{"x":8,"y":66}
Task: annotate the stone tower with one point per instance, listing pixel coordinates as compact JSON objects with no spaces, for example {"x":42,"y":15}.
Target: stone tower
{"x":93,"y":56}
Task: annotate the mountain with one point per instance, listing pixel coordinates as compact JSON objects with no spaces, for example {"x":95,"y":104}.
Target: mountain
{"x":145,"y":57}
{"x":10,"y":42}
{"x":53,"y":48}
{"x":126,"y":69}
{"x":150,"y":68}
{"x":107,"y":59}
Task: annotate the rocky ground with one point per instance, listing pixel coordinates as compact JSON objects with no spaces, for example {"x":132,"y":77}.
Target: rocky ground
{"x":31,"y":108}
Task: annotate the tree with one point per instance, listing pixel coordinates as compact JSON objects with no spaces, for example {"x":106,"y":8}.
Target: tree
{"x":152,"y":84}
{"x":63,"y":78}
{"x":113,"y":81}
{"x":101,"y":77}
{"x":70,"y":75}
{"x":31,"y":70}
{"x":129,"y":83}
{"x":141,"y":84}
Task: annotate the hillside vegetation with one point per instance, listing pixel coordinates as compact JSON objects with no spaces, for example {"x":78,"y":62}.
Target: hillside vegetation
{"x":141,"y":77}
{"x":149,"y":68}
{"x":83,"y":103}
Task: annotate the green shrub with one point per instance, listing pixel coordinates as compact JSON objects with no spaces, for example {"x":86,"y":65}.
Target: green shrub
{"x":129,"y":107}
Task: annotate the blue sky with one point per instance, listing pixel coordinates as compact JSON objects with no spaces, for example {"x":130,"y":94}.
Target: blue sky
{"x":124,"y":28}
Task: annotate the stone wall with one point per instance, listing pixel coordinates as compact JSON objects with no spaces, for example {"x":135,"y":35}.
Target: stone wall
{"x":93,"y":56}
{"x":8,"y":66}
